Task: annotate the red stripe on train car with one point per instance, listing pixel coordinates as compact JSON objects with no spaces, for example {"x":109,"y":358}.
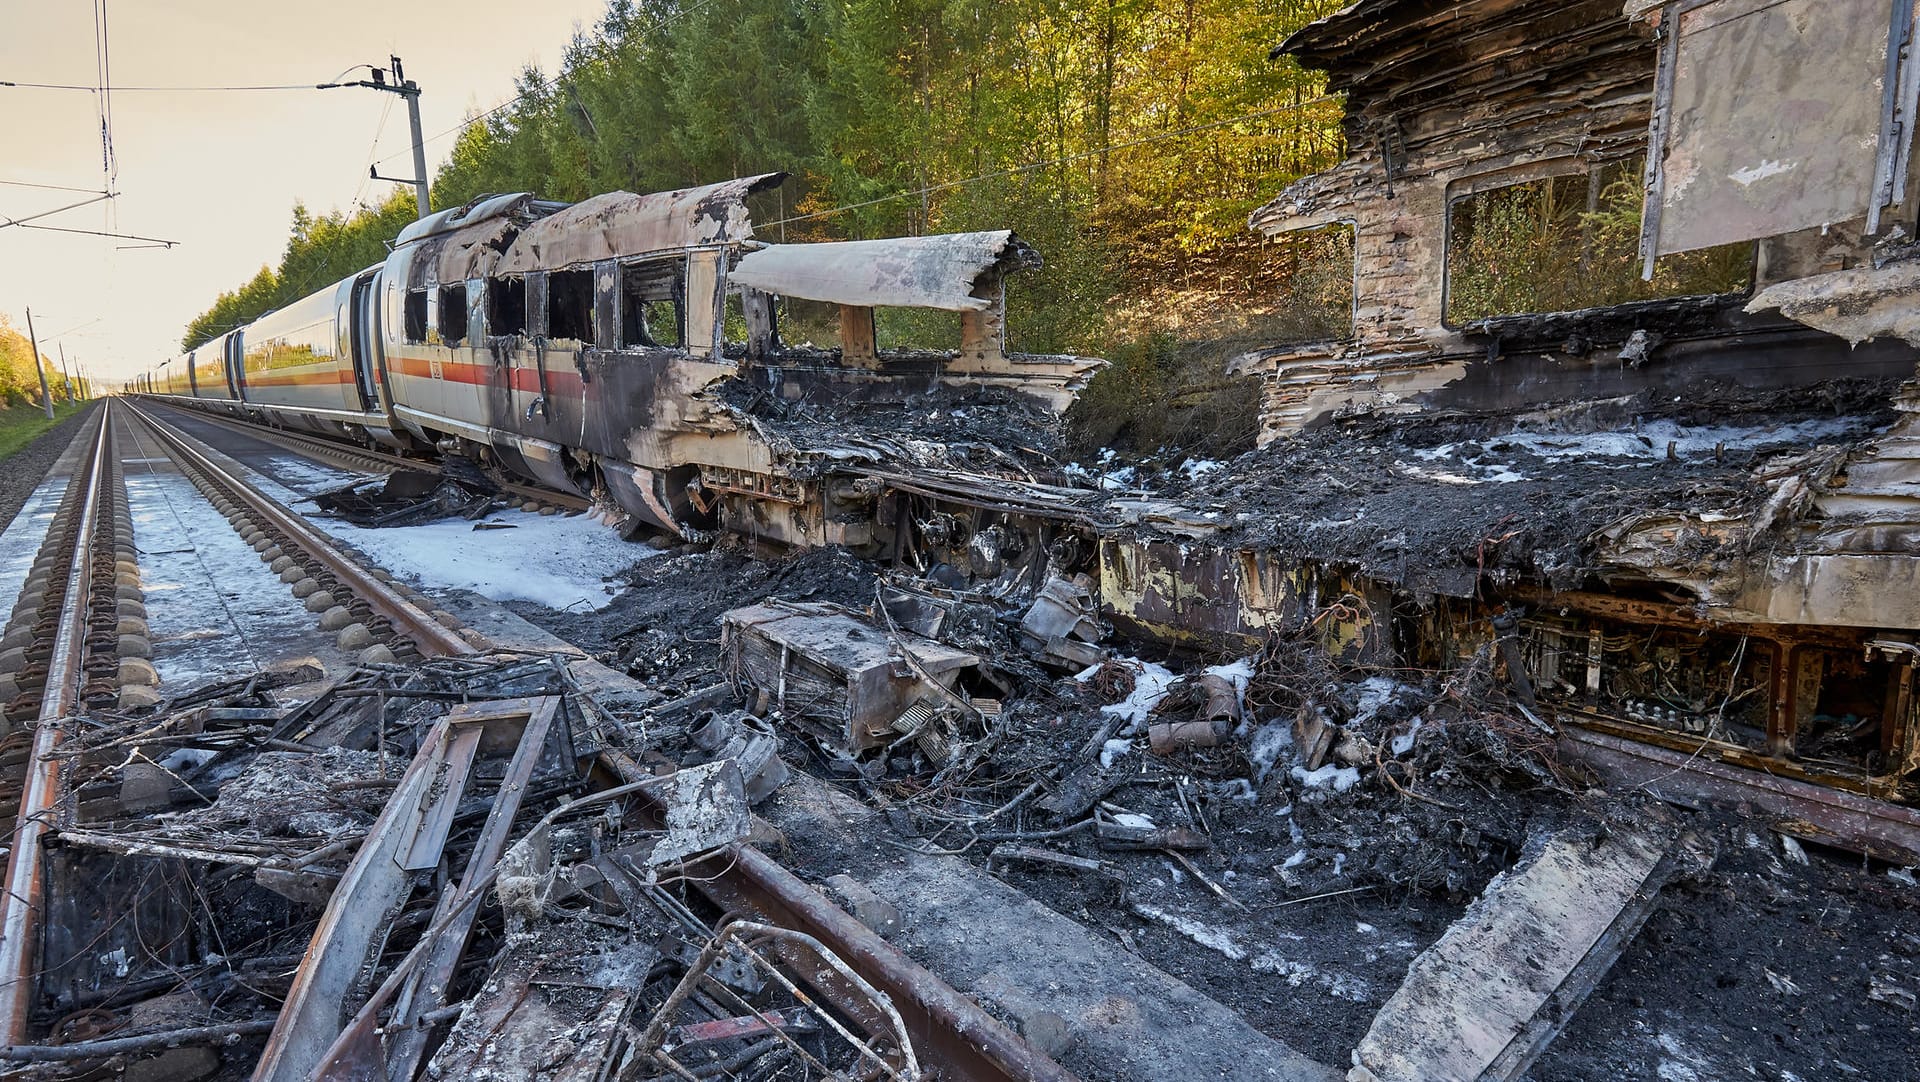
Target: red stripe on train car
{"x":481,"y":375}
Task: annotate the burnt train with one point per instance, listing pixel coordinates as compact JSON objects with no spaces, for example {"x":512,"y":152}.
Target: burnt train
{"x":1736,"y":622}
{"x":616,"y":348}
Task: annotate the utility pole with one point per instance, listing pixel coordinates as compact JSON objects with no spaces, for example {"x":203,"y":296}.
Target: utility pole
{"x":46,"y":397}
{"x":68,"y":376}
{"x":409,"y":90}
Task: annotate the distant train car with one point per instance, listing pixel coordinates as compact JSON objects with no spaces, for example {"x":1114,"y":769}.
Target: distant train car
{"x":212,"y":374}
{"x":175,"y":378}
{"x":295,"y":366}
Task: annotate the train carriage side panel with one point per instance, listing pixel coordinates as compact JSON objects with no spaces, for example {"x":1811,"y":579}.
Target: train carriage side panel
{"x":293,"y":368}
{"x":208,"y":367}
{"x":174,"y":378}
{"x":438,"y":380}
{"x":360,"y":334}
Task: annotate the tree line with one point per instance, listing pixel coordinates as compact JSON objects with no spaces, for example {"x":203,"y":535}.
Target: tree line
{"x":1126,"y":139}
{"x":19,"y":383}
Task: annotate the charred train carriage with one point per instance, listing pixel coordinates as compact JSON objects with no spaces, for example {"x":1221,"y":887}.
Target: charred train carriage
{"x":614,"y":347}
{"x":1433,"y":489}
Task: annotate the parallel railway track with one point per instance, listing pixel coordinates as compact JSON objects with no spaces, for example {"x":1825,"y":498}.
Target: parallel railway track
{"x":355,"y":456}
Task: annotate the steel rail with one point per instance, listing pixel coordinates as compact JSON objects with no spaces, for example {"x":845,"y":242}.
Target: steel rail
{"x":20,"y":910}
{"x":320,"y":445}
{"x":406,"y":617}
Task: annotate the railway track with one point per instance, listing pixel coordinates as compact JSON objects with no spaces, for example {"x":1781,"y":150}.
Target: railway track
{"x":85,"y":592}
{"x":356,"y":457}
{"x":68,"y":608}
{"x":303,"y":555}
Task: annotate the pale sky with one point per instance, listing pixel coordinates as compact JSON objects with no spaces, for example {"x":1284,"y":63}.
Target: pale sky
{"x":220,"y":172}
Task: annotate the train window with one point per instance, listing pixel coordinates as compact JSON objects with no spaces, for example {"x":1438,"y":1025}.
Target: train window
{"x":415,"y":315}
{"x":507,"y":306}
{"x":804,"y":324}
{"x":453,"y":314}
{"x":912,"y":329}
{"x":1567,"y":242}
{"x":652,"y":307}
{"x":570,"y":305}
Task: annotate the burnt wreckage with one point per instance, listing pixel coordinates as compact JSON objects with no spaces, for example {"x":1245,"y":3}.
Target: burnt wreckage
{"x":1687,"y":523}
{"x":1676,"y":524}
{"x":1682,"y":517}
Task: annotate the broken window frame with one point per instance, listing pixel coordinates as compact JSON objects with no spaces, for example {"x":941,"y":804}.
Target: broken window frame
{"x":506,"y":305}
{"x":823,"y":326}
{"x":637,"y":330}
{"x":1900,"y":102}
{"x":570,"y":296}
{"x":1351,"y":224}
{"x":733,"y":320}
{"x":452,"y":316}
{"x":901,"y":330}
{"x":1464,"y":188}
{"x":414,"y":317}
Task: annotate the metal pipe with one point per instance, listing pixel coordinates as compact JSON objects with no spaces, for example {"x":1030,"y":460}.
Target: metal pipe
{"x":26,"y":879}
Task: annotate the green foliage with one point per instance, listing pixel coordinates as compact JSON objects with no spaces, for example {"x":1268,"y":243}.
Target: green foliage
{"x":1125,"y":139}
{"x":1164,"y":397}
{"x":1540,"y":247}
{"x":19,"y":383}
{"x":20,"y":424}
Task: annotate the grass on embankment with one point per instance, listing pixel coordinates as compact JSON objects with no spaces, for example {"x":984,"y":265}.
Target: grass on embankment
{"x":20,"y":424}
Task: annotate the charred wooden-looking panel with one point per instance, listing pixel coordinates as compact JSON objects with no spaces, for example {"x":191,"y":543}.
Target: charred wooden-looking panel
{"x":1775,"y":637}
{"x":1448,"y":101}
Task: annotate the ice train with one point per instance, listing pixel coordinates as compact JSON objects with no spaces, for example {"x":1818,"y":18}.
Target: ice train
{"x":642,"y":349}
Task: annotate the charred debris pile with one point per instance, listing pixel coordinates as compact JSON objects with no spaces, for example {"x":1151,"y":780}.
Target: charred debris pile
{"x":450,"y":870}
{"x":481,"y":868}
{"x":1436,"y":500}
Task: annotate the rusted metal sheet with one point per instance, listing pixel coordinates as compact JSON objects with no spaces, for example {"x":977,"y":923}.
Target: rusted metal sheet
{"x":621,"y":224}
{"x":944,"y":271}
{"x":378,"y":880}
{"x":460,"y":217}
{"x":473,"y":251}
{"x":357,"y":1052}
{"x":1485,"y":1000}
{"x":354,"y":921}
{"x":1776,"y":107}
{"x":945,"y":1026}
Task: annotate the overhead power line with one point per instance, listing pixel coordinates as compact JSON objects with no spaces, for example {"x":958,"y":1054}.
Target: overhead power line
{"x":154,"y":89}
{"x":544,"y":84}
{"x":95,"y":89}
{"x":98,"y":233}
{"x":49,"y":213}
{"x":53,"y":187}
